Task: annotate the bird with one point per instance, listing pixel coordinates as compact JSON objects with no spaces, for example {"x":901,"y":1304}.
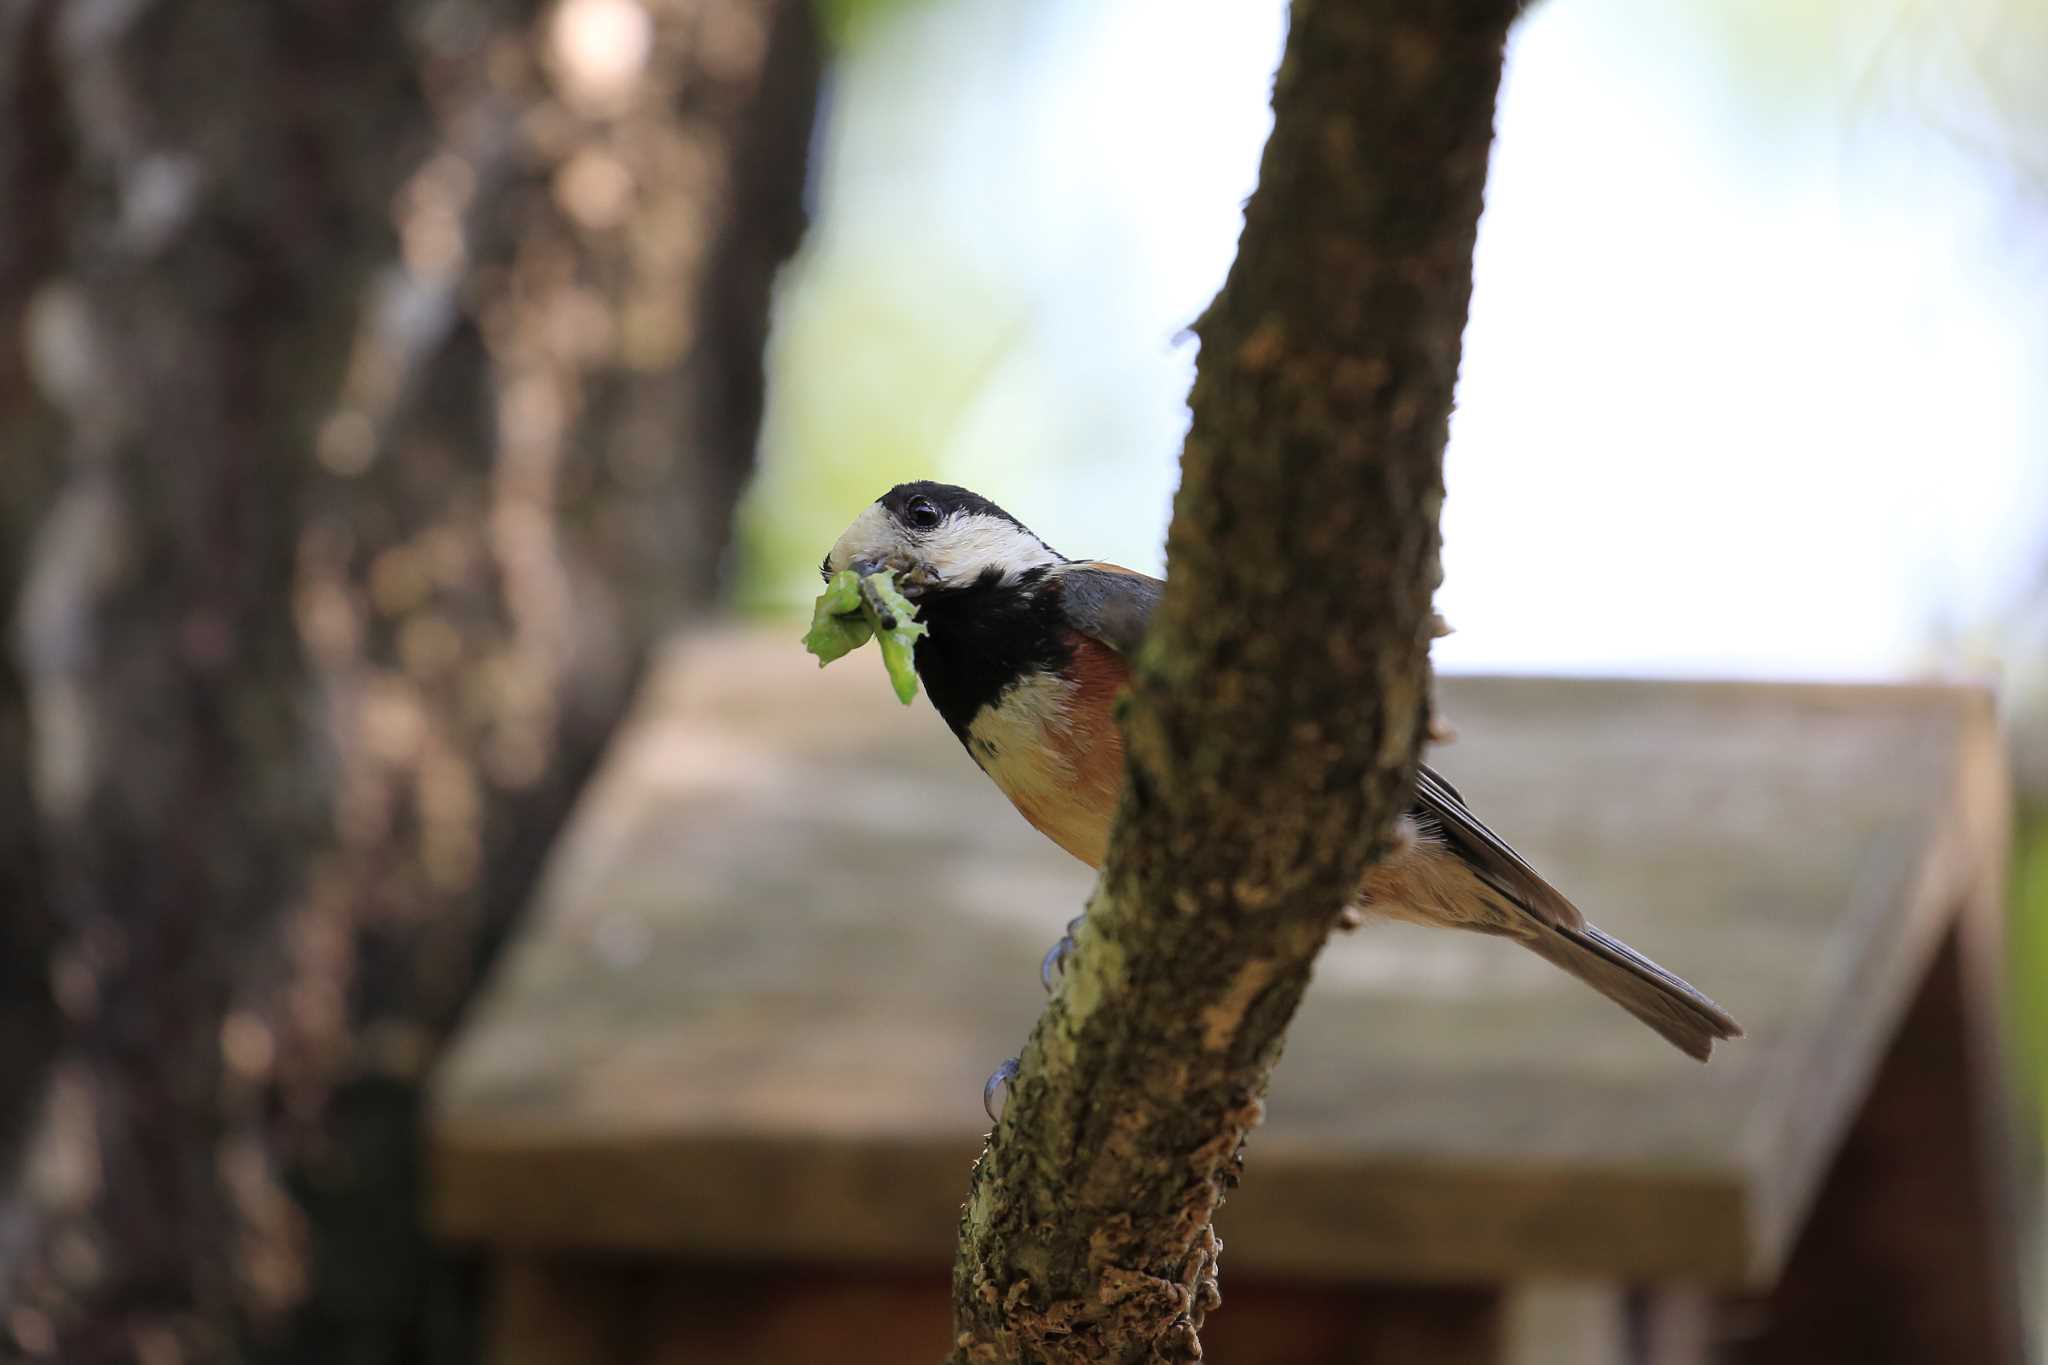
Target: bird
{"x":1024,"y":653}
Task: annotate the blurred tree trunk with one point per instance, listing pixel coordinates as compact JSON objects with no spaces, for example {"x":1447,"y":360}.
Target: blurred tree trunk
{"x":31,"y":161}
{"x":1278,"y":705}
{"x":376,"y":382}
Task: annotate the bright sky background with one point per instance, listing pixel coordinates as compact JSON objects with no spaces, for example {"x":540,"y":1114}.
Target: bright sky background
{"x":1754,"y":377}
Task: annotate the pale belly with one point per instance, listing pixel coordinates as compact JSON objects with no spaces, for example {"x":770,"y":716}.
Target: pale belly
{"x":1059,"y":759}
{"x":1059,"y":762}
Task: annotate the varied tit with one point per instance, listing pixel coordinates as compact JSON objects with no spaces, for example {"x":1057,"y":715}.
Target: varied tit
{"x":1025,"y":654}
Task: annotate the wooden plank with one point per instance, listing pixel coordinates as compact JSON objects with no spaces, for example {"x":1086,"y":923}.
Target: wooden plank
{"x":588,"y":1310}
{"x":787,"y":1315}
{"x":1671,"y":1326}
{"x":1818,"y":1092}
{"x":641,"y":1312}
{"x":1548,"y":1322}
{"x":794,"y":929}
{"x":560,"y":1310}
{"x":1911,"y":1255}
{"x":679,"y":1312}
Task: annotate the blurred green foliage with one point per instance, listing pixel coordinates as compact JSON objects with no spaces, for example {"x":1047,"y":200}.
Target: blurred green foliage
{"x":850,"y":22}
{"x":856,"y":428}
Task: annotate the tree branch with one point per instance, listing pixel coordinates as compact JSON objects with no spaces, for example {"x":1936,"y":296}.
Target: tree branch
{"x":1277,"y":709}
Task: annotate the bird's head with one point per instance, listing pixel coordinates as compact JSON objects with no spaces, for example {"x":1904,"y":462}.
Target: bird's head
{"x":938,"y":536}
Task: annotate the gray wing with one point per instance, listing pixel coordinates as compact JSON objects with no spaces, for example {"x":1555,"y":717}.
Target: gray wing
{"x":1113,"y":604}
{"x":1108,"y":602}
{"x":1437,"y":802}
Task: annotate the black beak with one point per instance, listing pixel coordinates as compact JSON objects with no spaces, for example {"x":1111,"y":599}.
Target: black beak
{"x":864,"y":567}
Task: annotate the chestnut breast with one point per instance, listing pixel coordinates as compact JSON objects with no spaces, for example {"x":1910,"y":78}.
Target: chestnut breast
{"x":1050,"y":742}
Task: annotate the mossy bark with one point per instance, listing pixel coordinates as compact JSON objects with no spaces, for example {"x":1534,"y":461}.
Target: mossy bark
{"x":1278,"y":706}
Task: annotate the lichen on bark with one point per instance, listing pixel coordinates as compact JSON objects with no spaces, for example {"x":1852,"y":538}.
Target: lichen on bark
{"x":1277,"y":708}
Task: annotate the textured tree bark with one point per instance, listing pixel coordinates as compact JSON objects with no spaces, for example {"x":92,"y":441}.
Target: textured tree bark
{"x":392,"y":368}
{"x":1278,"y":706}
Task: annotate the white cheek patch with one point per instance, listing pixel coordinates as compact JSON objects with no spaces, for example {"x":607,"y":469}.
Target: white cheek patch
{"x":966,"y":546}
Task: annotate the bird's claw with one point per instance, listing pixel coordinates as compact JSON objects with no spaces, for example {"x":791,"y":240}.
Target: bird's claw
{"x":995,"y":1092}
{"x":1050,"y":968}
{"x":913,"y":576}
{"x":1054,"y":963}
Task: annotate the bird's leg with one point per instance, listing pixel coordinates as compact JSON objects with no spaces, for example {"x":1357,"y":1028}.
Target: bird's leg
{"x":995,"y":1092}
{"x":1054,"y":963}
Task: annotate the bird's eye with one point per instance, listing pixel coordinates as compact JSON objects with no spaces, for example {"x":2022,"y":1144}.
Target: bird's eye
{"x":922,"y":513}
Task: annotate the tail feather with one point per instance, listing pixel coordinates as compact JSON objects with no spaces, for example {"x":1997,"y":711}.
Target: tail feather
{"x":1688,"y":1019}
{"x":1496,"y":891}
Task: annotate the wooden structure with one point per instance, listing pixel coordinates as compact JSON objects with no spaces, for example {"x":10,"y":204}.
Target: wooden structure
{"x":720,"y":1103}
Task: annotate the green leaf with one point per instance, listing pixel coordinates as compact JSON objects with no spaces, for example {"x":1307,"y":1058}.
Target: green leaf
{"x":837,"y":636}
{"x":851,"y":609}
{"x":894,"y":619}
{"x":838,"y":624}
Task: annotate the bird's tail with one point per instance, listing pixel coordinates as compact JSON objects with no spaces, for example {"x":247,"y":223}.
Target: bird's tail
{"x":1667,"y":1004}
